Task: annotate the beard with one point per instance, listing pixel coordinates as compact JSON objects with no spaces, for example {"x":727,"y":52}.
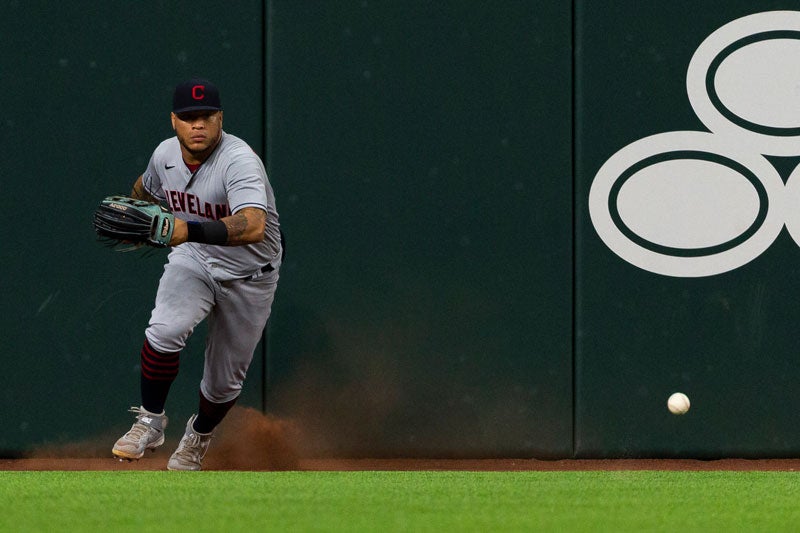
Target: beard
{"x":200,"y":151}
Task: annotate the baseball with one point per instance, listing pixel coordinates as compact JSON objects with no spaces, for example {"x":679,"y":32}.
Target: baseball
{"x":678,"y":403}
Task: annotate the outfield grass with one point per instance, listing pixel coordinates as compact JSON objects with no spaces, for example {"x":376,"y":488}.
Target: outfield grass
{"x":399,"y":501}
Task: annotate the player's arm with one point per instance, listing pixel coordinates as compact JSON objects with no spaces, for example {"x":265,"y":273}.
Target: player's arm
{"x":246,"y":226}
{"x":139,"y":193}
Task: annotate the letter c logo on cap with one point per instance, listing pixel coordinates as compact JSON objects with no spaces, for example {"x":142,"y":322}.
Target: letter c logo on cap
{"x":197,"y":92}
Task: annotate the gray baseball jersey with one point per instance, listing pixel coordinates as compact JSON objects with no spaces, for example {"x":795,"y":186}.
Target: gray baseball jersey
{"x":232,"y":178}
{"x":224,"y":283}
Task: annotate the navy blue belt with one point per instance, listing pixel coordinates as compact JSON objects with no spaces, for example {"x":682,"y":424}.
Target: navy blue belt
{"x":263,"y":270}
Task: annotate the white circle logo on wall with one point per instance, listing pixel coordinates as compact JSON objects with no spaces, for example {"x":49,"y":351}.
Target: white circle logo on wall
{"x":692,"y":204}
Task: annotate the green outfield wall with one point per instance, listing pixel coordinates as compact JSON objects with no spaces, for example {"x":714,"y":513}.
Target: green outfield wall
{"x":514,"y":228}
{"x":724,"y":337}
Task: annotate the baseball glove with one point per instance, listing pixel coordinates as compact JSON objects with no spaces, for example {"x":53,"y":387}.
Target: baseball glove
{"x":120,"y":219}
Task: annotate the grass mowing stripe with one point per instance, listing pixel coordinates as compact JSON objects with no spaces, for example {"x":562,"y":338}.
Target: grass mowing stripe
{"x":399,"y":501}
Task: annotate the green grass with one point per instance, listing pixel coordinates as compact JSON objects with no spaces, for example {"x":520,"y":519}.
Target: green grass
{"x":399,"y":501}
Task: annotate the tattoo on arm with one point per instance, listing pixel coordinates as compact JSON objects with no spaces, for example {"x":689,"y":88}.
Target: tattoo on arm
{"x":139,"y":193}
{"x":246,"y":226}
{"x":237,"y":225}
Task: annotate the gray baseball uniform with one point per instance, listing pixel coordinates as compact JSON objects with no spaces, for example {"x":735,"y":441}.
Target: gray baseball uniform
{"x":233,"y":286}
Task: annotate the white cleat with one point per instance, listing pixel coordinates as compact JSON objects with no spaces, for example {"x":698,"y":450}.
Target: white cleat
{"x":147,"y":433}
{"x":191,"y":450}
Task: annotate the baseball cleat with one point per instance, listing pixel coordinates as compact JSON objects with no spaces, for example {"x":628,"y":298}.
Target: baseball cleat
{"x":147,"y":433}
{"x":191,"y":450}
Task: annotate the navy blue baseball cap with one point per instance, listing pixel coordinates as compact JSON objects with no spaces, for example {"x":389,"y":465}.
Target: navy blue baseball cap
{"x":196,"y":94}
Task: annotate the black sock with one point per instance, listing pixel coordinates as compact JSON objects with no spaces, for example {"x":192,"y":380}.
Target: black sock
{"x":210,"y":414}
{"x":159,"y":370}
{"x":154,"y":394}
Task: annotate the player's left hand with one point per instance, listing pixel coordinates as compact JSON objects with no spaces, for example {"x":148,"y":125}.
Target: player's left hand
{"x":125,"y":220}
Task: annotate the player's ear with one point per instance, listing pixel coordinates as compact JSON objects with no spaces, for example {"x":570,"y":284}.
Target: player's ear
{"x":172,"y":119}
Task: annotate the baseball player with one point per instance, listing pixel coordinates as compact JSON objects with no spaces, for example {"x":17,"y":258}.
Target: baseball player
{"x":223,"y":265}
